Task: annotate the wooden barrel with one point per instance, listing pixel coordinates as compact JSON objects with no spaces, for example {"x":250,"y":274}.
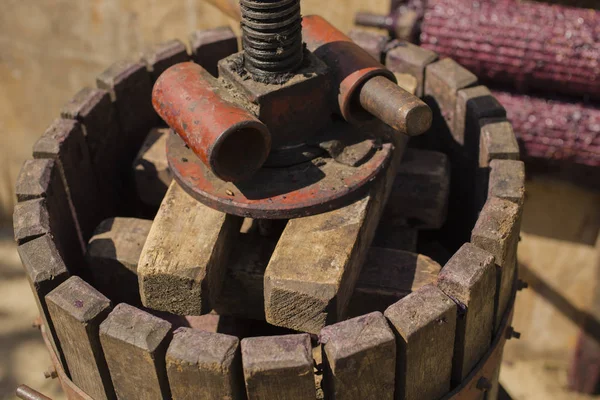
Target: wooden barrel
{"x":146,"y":294}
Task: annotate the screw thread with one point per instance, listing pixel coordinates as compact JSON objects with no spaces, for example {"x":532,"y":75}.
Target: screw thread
{"x":271,"y":37}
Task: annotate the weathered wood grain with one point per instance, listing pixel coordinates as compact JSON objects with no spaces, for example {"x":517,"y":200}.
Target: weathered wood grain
{"x":77,"y":309}
{"x":30,"y":220}
{"x":472,"y":105}
{"x":407,"y":58}
{"x":389,"y":275}
{"x":211,"y":45}
{"x":163,"y":55}
{"x":205,"y":366}
{"x":420,"y":190}
{"x":130,"y":87}
{"x":135,"y":343}
{"x":497,"y":141}
{"x":152,"y":174}
{"x":94,"y":110}
{"x":180,"y":275}
{"x":373,"y":42}
{"x":45,"y":270}
{"x":443,"y":80}
{"x":359,"y":357}
{"x":469,"y":278}
{"x":507,"y":180}
{"x":424,"y":324}
{"x":64,"y":142}
{"x":112,"y":257}
{"x":497,"y":231}
{"x":278,"y":367}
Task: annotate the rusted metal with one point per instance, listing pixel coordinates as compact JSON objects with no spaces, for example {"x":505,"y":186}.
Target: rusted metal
{"x":401,"y":110}
{"x":26,"y":393}
{"x":228,"y":139}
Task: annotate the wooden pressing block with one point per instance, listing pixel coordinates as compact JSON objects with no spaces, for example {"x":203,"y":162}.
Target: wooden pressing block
{"x":204,"y":366}
{"x":497,"y":231}
{"x":394,"y":235}
{"x":45,"y":270}
{"x":497,"y":141}
{"x":151,"y":169}
{"x":113,"y":255}
{"x":161,"y":56}
{"x":443,"y":80}
{"x":180,"y":275}
{"x":135,"y":343}
{"x":77,"y":309}
{"x":420,"y":191}
{"x":389,"y":275}
{"x":130,"y":87}
{"x":359,"y":357}
{"x":373,"y":42}
{"x":64,"y":142}
{"x":94,"y":110}
{"x":278,"y":367}
{"x":211,"y":45}
{"x":407,"y":58}
{"x":472,"y":105}
{"x":424,"y":323}
{"x":507,"y":180}
{"x":469,"y":278}
{"x":31,"y":220}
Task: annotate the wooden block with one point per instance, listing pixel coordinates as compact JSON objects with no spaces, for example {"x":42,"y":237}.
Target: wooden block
{"x":130,"y":86}
{"x":507,"y":180}
{"x":180,"y":275}
{"x":420,"y":190}
{"x":392,"y":235}
{"x":389,"y":275}
{"x":203,"y":365}
{"x":163,"y":55}
{"x":443,"y":80}
{"x":113,"y":255}
{"x":497,"y":231}
{"x":45,"y":270}
{"x":407,"y":82}
{"x":424,"y":323}
{"x":151,"y":169}
{"x":94,"y":110}
{"x":373,"y":42}
{"x":472,"y":105}
{"x":64,"y":142}
{"x":135,"y":344}
{"x":497,"y":141}
{"x":469,"y":278}
{"x":40,"y":179}
{"x":211,"y":45}
{"x":77,"y":309}
{"x":278,"y":367}
{"x":407,"y":58}
{"x":359,"y":357}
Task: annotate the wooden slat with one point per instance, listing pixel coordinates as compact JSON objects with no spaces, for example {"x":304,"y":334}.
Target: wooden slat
{"x":151,"y":169}
{"x":497,"y":141}
{"x":497,"y":231}
{"x":45,"y":270}
{"x":469,"y":278}
{"x":278,"y":367}
{"x":373,"y":42}
{"x":359,"y":357}
{"x":64,"y":142}
{"x":77,"y":309}
{"x":130,"y":87}
{"x":208,"y":46}
{"x":135,"y":343}
{"x":507,"y":180}
{"x":113,"y":255}
{"x":30,"y":220}
{"x":204,"y":366}
{"x":95,"y":111}
{"x":407,"y":58}
{"x":180,"y":275}
{"x":163,"y":55}
{"x":424,"y":323}
{"x":420,"y":190}
{"x":472,"y":105}
{"x":389,"y":275}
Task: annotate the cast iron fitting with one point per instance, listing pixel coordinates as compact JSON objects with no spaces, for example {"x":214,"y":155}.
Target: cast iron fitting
{"x":271,"y":37}
{"x":228,"y":139}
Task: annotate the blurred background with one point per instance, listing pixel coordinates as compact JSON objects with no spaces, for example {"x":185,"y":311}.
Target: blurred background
{"x":49,"y":49}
